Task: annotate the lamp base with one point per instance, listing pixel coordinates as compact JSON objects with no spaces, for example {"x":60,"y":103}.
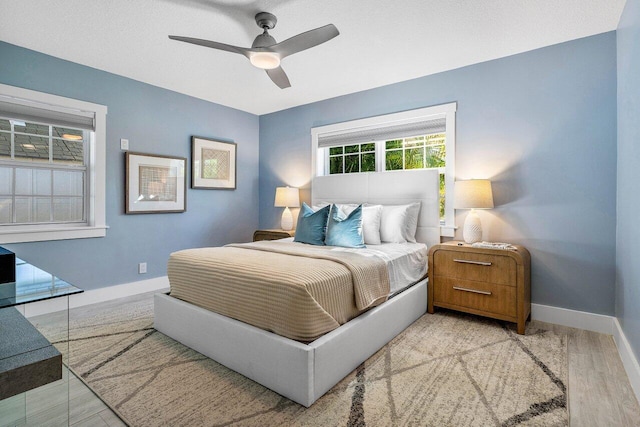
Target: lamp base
{"x":472,"y":231}
{"x":286,"y":223}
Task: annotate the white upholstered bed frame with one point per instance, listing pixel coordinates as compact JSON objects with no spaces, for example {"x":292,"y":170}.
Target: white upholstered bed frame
{"x":304,"y":372}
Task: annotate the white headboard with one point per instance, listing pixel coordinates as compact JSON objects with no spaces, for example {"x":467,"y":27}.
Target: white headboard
{"x":387,"y":188}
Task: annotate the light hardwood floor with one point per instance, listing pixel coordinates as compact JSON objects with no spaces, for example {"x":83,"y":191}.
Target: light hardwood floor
{"x":599,"y":390}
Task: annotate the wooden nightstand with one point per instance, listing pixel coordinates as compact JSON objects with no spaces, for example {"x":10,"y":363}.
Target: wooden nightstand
{"x":490,"y":282}
{"x":272,"y":234}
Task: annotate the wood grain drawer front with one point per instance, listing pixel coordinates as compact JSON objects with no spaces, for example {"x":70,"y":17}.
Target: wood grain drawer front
{"x":476,"y":267}
{"x":489,"y":297}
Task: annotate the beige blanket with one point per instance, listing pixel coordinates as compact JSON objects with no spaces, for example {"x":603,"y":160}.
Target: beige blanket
{"x":297,"y":291}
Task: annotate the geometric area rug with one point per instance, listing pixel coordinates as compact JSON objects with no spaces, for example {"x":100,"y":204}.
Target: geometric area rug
{"x":446,"y":369}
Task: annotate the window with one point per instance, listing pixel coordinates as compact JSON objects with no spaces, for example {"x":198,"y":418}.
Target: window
{"x":51,"y":167}
{"x":418,"y":152}
{"x":416,"y":139}
{"x":352,"y":158}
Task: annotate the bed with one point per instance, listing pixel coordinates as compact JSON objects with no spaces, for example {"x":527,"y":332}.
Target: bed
{"x":304,"y":371}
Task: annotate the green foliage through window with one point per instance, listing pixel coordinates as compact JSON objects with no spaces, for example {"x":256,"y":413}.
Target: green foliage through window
{"x":352,"y":158}
{"x":419,"y":152}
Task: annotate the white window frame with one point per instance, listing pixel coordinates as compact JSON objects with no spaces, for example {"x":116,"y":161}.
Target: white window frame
{"x":446,"y":111}
{"x":96,"y":216}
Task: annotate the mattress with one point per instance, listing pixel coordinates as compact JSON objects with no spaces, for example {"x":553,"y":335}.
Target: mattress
{"x":295,"y":290}
{"x":406,"y":262}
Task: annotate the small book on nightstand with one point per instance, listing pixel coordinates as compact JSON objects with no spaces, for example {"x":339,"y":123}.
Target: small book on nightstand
{"x":494,"y":245}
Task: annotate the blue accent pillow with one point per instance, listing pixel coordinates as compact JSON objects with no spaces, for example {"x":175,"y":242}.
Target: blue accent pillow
{"x":312,"y":226}
{"x":345,"y":231}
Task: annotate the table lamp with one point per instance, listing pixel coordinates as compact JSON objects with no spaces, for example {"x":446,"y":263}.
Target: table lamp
{"x":287,"y":197}
{"x":473,"y":194}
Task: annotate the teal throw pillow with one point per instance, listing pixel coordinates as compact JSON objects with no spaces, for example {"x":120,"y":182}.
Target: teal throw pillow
{"x":312,"y":226}
{"x":345,"y":231}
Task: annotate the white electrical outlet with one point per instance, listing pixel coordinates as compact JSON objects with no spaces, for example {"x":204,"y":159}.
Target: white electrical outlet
{"x":124,"y":144}
{"x":142,"y":268}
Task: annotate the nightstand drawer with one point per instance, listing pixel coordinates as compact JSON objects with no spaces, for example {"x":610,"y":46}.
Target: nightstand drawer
{"x":487,"y":297}
{"x":476,"y":266}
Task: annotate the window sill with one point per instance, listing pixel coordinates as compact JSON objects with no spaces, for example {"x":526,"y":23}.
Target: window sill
{"x":447,"y":231}
{"x":24,"y":235}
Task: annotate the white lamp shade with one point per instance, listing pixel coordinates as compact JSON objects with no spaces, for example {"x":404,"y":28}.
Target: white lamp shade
{"x":287,"y":197}
{"x":473,"y":194}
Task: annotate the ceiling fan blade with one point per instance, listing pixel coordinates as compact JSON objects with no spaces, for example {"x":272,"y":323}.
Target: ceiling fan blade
{"x":213,"y":45}
{"x":305,"y":40}
{"x":279,"y":77}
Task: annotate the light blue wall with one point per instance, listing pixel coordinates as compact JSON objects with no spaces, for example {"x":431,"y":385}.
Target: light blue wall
{"x":628,"y":239}
{"x":541,"y":125}
{"x":155,"y":121}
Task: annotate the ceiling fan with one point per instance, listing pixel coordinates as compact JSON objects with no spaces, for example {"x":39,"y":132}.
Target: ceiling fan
{"x":265,"y":53}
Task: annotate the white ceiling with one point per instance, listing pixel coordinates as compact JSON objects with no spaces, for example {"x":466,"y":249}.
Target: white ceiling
{"x":381,"y":41}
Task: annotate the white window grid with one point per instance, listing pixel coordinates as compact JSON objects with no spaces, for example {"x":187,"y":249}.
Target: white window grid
{"x":357,"y":153}
{"x":380,"y":151}
{"x":50,"y":165}
{"x":417,"y":143}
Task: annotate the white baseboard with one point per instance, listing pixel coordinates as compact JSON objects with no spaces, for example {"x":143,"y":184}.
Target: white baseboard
{"x":597,"y":323}
{"x":96,"y":295}
{"x":573,"y":318}
{"x":629,"y":359}
{"x":119,"y":291}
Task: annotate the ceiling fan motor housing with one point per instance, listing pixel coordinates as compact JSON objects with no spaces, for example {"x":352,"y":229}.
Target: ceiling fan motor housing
{"x":263,"y":40}
{"x":265,"y":20}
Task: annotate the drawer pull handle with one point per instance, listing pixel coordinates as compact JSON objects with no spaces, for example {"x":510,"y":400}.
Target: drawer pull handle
{"x":475,"y":291}
{"x":465,"y":261}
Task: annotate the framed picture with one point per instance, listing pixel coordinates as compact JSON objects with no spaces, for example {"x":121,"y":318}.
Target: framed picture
{"x":155,"y":184}
{"x":213,"y":164}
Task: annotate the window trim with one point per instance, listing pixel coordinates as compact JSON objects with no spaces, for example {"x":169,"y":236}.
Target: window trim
{"x":448,"y":111}
{"x":96,"y":216}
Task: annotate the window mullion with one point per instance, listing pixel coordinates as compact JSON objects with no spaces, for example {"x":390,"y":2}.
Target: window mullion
{"x":50,"y":144}
{"x":381,"y":156}
{"x":51,"y":198}
{"x":327,"y":161}
{"x":12,"y":142}
{"x":424,"y":155}
{"x":404,"y":155}
{"x":51,"y":174}
{"x":13,"y":196}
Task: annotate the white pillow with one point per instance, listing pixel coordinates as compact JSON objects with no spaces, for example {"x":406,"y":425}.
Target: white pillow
{"x":347,"y":208}
{"x":371,"y":219}
{"x":399,"y":223}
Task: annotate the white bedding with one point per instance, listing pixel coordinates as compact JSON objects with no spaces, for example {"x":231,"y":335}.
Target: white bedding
{"x":406,"y":262}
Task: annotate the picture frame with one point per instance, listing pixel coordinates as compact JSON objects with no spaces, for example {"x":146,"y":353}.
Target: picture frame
{"x":155,"y":183}
{"x":213,"y":164}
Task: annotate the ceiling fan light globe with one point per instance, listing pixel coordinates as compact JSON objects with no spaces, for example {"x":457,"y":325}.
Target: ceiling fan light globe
{"x":265,"y":60}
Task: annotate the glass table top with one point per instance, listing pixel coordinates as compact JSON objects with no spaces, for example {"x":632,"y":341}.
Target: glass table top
{"x":33,"y":284}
